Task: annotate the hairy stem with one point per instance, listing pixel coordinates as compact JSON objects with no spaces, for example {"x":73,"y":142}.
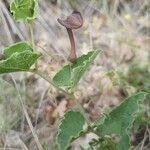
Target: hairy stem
{"x":32,"y":35}
{"x":32,"y":39}
{"x":80,"y":107}
{"x":70,"y":95}
{"x":82,"y":111}
{"x":46,"y":78}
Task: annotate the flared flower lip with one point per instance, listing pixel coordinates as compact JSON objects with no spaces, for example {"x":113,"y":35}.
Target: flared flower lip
{"x":74,"y":21}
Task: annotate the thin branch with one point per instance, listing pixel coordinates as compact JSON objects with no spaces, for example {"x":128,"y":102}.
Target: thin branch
{"x":32,"y":35}
{"x":62,"y":90}
{"x":82,"y":111}
{"x":32,"y":40}
{"x":45,"y":77}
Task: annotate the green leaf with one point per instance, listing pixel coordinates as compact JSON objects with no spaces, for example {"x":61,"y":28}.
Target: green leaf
{"x":70,"y":75}
{"x":18,"y":57}
{"x":18,"y":47}
{"x":71,"y":126}
{"x":124,"y":142}
{"x":24,"y":9}
{"x":120,"y":119}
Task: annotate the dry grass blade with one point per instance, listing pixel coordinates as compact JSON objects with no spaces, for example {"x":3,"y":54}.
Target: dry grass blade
{"x":27,"y":116}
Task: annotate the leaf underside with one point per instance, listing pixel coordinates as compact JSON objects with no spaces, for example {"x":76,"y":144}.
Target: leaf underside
{"x":18,"y":57}
{"x":24,"y":9}
{"x":70,"y":75}
{"x":71,"y":126}
{"x":120,"y":119}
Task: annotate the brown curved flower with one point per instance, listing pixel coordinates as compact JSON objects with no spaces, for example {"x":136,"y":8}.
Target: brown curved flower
{"x":74,"y":21}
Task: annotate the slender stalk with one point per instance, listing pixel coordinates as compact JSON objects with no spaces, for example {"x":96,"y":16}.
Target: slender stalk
{"x":32,"y":40}
{"x":79,"y":106}
{"x":71,"y":95}
{"x":82,"y":111}
{"x":42,"y":75}
{"x":32,"y":35}
{"x":72,"y":56}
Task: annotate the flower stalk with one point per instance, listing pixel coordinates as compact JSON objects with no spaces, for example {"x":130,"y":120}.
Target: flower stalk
{"x":73,"y":56}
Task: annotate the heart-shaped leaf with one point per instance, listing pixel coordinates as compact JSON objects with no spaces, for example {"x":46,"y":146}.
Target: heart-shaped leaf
{"x":18,"y":57}
{"x":70,"y":75}
{"x":120,"y":119}
{"x":71,"y":126}
{"x":24,"y":9}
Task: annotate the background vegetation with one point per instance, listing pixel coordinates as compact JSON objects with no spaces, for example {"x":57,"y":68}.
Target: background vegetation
{"x":120,"y":27}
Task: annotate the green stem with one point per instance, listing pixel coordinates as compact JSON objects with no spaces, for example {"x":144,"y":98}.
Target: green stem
{"x":45,"y":77}
{"x":70,"y":95}
{"x":32,"y":39}
{"x":32,"y":35}
{"x":79,"y":106}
